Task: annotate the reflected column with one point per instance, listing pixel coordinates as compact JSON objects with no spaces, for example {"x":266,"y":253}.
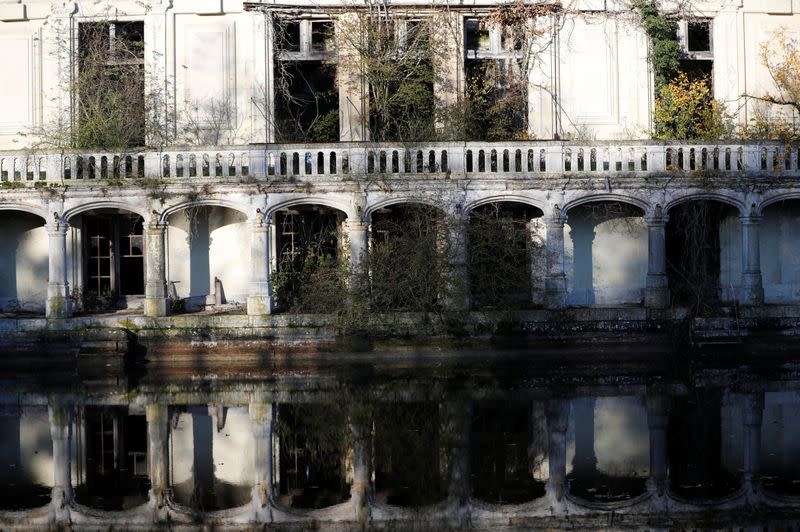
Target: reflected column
{"x":584,"y":463}
{"x":361,"y":490}
{"x":458,"y":420}
{"x":158,"y":446}
{"x":751,"y":448}
{"x":557,"y":422}
{"x":262,"y":417}
{"x":657,"y":422}
{"x":60,"y":424}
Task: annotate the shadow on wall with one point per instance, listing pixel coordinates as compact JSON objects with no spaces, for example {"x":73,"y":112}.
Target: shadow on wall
{"x":23,"y":262}
{"x":207,"y":244}
{"x":605,"y":254}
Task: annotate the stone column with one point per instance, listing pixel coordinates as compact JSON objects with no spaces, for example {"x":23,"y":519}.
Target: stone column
{"x":657,"y":422}
{"x":458,"y":237}
{"x":556,"y":283}
{"x":751,"y":447}
{"x":357,"y":236}
{"x":58,"y":300}
{"x":259,"y":300}
{"x":656,"y":292}
{"x":158,"y":454}
{"x":352,"y":86}
{"x":752,"y":288}
{"x":361,"y":491}
{"x":537,"y":254}
{"x":557,"y":420}
{"x":262,"y":418}
{"x":458,"y":422}
{"x":61,"y":498}
{"x":155,"y":299}
{"x":448,"y":39}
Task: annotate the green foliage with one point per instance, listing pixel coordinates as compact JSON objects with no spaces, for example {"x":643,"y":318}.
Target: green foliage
{"x":496,"y":103}
{"x":316,"y":286}
{"x":665,"y":51}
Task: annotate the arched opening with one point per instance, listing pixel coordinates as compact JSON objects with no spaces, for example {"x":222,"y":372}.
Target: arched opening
{"x":409,"y":258}
{"x":509,"y":451}
{"x":111,"y":468}
{"x":506,"y":255}
{"x":313,"y":465}
{"x":605,"y":254}
{"x":780,"y":262}
{"x":208,"y":259}
{"x":608,"y":448}
{"x":704,"y":253}
{"x":211,"y":465}
{"x":780,"y":442}
{"x":26,"y":457}
{"x":310,"y":270}
{"x":409,"y":451}
{"x":23,"y":262}
{"x":106,"y":253}
{"x":704,"y":444}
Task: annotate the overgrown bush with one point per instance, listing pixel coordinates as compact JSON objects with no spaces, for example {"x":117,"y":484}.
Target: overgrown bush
{"x":686,"y":109}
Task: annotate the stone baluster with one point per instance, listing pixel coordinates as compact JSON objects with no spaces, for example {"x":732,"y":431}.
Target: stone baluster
{"x":155,"y":302}
{"x":61,"y":498}
{"x":656,"y":292}
{"x":361,"y":491}
{"x":158,"y":445}
{"x":262,"y":418}
{"x":556,"y":282}
{"x":657,"y":423}
{"x":557,"y":412}
{"x":59,"y":304}
{"x":458,"y":425}
{"x":259,"y":300}
{"x":752,"y":287}
{"x":751,"y":447}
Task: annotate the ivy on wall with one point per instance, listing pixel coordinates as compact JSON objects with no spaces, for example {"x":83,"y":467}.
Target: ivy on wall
{"x":663,"y":33}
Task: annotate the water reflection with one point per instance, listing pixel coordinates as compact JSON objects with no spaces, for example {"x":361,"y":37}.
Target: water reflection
{"x":373,"y":443}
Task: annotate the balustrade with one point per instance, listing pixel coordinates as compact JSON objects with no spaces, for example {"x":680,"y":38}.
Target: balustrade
{"x":486,"y":159}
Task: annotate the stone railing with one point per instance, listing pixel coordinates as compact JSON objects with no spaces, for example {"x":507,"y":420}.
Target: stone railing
{"x":340,"y":160}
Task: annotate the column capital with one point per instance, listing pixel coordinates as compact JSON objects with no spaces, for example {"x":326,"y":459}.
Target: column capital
{"x":56,"y":227}
{"x":156,"y":226}
{"x":750,"y":219}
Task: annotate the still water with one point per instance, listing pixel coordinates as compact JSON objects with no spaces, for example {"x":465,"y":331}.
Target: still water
{"x":472,"y":438}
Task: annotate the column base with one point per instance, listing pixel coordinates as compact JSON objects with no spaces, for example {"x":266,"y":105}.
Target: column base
{"x":156,"y":307}
{"x":752,"y":290}
{"x":556,"y":292}
{"x":259,"y":305}
{"x":58,"y":307}
{"x":656,"y":292}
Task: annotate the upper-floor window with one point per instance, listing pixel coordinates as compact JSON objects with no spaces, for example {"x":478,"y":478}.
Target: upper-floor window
{"x":695,"y":38}
{"x":305,"y":39}
{"x":486,"y":41}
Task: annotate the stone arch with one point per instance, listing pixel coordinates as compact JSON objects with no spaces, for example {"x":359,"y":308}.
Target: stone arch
{"x":371,"y":208}
{"x":630,"y":200}
{"x":245,"y":210}
{"x":106,"y":204}
{"x":707,"y":196}
{"x":777,"y":198}
{"x":505,"y":198}
{"x":27,"y":208}
{"x":339,"y":205}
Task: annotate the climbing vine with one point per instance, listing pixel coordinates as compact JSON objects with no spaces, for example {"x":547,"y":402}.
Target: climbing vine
{"x":665,"y":51}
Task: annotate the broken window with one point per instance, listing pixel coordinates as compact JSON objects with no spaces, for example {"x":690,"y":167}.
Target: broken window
{"x":496,"y":92}
{"x":110,"y":85}
{"x":697,"y":60}
{"x":400,"y":72}
{"x":306,"y":92}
